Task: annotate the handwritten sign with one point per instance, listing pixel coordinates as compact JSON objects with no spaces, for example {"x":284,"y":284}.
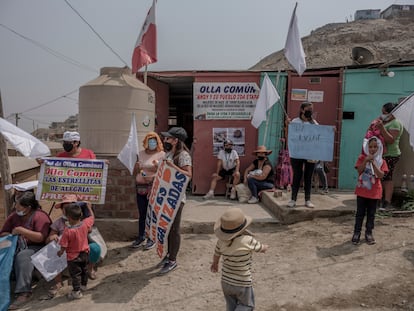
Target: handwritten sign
{"x":310,"y":141}
{"x":166,"y":195}
{"x":85,"y":178}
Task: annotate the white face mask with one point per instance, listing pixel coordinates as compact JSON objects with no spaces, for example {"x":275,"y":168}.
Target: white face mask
{"x":384,"y":117}
{"x":20,"y":213}
{"x":64,"y":218}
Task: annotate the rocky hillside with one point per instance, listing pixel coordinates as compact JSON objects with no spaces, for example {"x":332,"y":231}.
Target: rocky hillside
{"x":331,"y":45}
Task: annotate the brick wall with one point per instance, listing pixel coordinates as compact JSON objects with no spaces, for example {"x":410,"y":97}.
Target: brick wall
{"x":120,"y":199}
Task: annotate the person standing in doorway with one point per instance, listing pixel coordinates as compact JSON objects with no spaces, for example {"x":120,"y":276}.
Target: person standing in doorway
{"x":303,"y":167}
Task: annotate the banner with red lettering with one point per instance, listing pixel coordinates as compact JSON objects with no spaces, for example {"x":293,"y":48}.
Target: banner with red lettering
{"x":85,"y":178}
{"x":167,"y":192}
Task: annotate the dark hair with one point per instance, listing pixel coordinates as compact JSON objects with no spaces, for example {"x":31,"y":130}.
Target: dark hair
{"x":28,"y":199}
{"x":388,"y":107}
{"x":304,"y":105}
{"x":227,"y":142}
{"x":180,"y":147}
{"x":73,"y":211}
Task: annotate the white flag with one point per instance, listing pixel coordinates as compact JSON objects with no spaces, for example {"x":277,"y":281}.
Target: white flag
{"x":26,"y":144}
{"x":128,"y":154}
{"x":405,"y":114}
{"x":293,"y":48}
{"x":268,"y":96}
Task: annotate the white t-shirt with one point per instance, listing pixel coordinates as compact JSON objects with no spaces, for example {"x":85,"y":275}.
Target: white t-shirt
{"x":228,"y":159}
{"x":299,"y":120}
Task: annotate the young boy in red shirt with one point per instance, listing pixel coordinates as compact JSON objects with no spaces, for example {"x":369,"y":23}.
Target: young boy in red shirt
{"x":75,"y":242}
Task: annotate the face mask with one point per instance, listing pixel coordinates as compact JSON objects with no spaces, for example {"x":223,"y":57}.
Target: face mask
{"x":228,"y":150}
{"x":64,"y":217}
{"x":384,"y":117}
{"x":20,"y":213}
{"x":167,"y":146}
{"x":261,"y":157}
{"x":308,"y":114}
{"x":68,"y":147}
{"x":152,"y":144}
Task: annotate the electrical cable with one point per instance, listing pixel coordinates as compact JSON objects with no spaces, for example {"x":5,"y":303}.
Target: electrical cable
{"x":51,"y":51}
{"x":49,"y":102}
{"x":96,"y":33}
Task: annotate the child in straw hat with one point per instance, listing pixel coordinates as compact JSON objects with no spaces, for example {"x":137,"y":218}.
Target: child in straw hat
{"x":236,"y":244}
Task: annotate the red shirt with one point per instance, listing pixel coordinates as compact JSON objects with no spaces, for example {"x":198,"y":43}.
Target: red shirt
{"x":84,"y":154}
{"x":38,"y":222}
{"x":376,"y":188}
{"x":75,"y":239}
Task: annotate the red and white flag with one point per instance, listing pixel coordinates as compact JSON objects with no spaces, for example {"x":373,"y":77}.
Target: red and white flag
{"x":293,"y":47}
{"x":145,"y":51}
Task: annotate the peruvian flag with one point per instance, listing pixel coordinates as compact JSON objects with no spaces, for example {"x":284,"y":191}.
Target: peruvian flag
{"x":145,"y":51}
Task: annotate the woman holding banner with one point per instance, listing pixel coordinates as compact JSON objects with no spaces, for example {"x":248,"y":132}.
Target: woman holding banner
{"x":303,"y":166}
{"x":32,"y":225}
{"x":177,"y":156}
{"x":144,"y":170}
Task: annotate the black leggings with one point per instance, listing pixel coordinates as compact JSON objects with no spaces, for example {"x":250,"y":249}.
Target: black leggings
{"x":298,"y":170}
{"x":367,"y":207}
{"x":174,"y":237}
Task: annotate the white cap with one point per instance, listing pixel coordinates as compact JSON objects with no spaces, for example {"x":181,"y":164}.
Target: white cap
{"x":71,"y":136}
{"x":24,"y":186}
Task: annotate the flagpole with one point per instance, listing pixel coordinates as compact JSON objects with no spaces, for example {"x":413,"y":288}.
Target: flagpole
{"x":145,"y":74}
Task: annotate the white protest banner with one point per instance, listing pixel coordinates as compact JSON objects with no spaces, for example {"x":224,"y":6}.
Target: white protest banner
{"x":167,"y":192}
{"x":47,"y":262}
{"x":85,"y":178}
{"x":224,"y":100}
{"x":311,"y":141}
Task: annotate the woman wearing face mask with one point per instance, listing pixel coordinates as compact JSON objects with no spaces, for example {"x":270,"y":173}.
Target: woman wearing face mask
{"x":177,"y":156}
{"x":259,"y":175}
{"x":32,"y":226}
{"x":303,"y":166}
{"x":145,"y":170}
{"x":391,"y":130}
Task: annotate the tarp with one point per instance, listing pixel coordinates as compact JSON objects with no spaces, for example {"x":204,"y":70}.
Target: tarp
{"x":7,"y":249}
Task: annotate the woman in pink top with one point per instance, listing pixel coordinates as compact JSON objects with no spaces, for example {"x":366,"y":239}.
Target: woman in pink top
{"x":145,"y":170}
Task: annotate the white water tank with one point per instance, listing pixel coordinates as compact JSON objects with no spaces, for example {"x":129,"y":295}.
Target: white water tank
{"x":106,"y":105}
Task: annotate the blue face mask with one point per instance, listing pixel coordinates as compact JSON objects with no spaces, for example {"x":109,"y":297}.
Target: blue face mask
{"x":152,"y":144}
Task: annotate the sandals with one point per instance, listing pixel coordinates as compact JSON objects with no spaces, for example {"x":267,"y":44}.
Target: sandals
{"x":52,"y":292}
{"x":21,"y":299}
{"x":92,"y":274}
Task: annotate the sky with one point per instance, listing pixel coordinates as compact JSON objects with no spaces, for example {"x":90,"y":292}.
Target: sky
{"x":192,"y":35}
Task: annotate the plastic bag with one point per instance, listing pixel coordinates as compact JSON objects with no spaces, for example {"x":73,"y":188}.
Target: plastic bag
{"x":95,"y":236}
{"x":243,"y":193}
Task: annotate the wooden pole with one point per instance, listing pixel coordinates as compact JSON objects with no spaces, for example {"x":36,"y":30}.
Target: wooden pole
{"x":5,"y":169}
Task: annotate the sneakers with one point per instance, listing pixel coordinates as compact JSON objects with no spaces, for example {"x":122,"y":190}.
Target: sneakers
{"x":209,"y":195}
{"x":149,"y":245}
{"x":253,"y":200}
{"x":138,"y":243}
{"x":291,"y":203}
{"x":75,"y":294}
{"x":356,"y":238}
{"x":369,"y":239}
{"x":162,"y":262}
{"x":83,"y":288}
{"x":309,"y":204}
{"x":325,"y":191}
{"x":168,"y":267}
{"x":233,"y":194}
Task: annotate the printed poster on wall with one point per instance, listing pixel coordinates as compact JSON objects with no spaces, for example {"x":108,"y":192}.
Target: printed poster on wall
{"x":85,"y":178}
{"x":224,"y":100}
{"x":168,"y":190}
{"x":299,"y":94}
{"x":315,"y":96}
{"x":236,"y":135}
{"x":310,"y":141}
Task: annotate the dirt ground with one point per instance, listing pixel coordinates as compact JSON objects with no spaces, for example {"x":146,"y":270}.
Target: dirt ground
{"x":310,"y":266}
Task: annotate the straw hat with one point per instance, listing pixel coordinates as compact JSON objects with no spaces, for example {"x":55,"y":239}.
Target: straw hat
{"x":262,"y":149}
{"x":67,"y":198}
{"x":231,"y":223}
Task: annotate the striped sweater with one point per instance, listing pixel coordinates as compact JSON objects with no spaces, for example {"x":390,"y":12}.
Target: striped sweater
{"x":237,"y":259}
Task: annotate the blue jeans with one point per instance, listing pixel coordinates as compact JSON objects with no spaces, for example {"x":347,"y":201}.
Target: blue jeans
{"x":238,"y":298}
{"x":256,"y":186}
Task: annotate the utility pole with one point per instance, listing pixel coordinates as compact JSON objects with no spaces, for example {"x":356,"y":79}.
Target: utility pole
{"x":5,"y":169}
{"x":17,"y":119}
